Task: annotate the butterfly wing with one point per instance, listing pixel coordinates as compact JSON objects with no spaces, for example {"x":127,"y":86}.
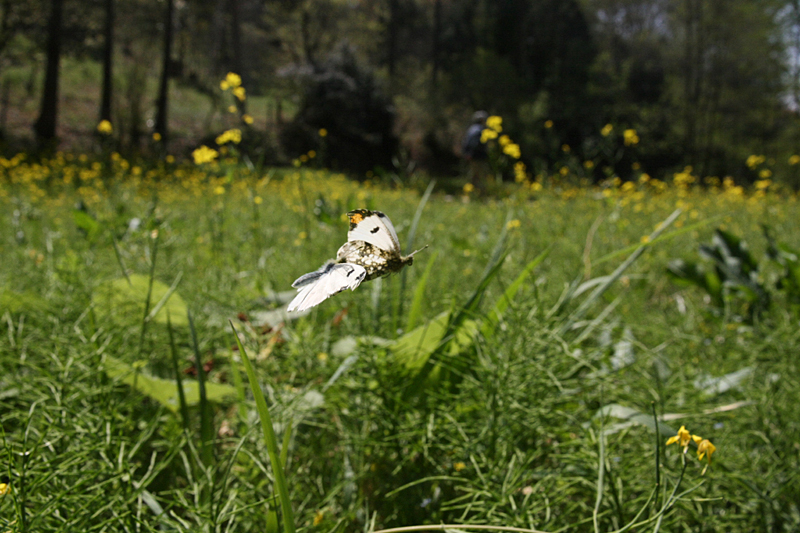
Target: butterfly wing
{"x":373,"y":227}
{"x":315,"y":287}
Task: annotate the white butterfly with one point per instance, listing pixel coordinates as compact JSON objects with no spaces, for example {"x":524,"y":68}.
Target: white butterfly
{"x":371,"y":251}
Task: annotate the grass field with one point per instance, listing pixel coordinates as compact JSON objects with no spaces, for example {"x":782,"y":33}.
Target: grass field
{"x":488,"y":384}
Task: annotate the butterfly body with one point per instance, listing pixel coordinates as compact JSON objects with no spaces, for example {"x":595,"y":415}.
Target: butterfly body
{"x":376,"y":262}
{"x":371,"y":251}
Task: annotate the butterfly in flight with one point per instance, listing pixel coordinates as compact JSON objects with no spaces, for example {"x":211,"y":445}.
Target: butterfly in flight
{"x":371,"y":251}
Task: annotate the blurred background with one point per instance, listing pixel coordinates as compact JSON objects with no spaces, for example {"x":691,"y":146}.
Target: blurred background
{"x":393,"y":83}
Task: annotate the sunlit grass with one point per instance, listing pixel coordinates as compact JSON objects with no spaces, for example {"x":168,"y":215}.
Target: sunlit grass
{"x":522,"y":403}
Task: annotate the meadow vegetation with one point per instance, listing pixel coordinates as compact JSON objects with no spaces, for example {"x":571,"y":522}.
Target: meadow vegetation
{"x":514,"y":376}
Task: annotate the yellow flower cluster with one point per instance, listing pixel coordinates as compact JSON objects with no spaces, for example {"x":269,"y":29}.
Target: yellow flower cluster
{"x":204,"y":154}
{"x":704,"y":446}
{"x":630,"y":137}
{"x":105,"y":127}
{"x":233,"y":136}
{"x":754,"y":160}
{"x":606,"y":130}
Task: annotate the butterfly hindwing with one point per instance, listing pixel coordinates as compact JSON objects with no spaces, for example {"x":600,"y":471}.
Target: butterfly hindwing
{"x":373,"y":227}
{"x":315,"y":287}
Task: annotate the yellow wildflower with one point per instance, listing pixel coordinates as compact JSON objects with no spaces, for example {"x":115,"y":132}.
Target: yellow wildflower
{"x":754,"y":160}
{"x":504,"y":140}
{"x":520,"y":173}
{"x":763,"y":184}
{"x":512,"y":224}
{"x":705,"y":448}
{"x":231,"y":81}
{"x":630,"y":137}
{"x":234,"y":136}
{"x":495,"y":123}
{"x":795,"y":159}
{"x":468,"y":188}
{"x":765,"y":173}
{"x":5,"y":486}
{"x":318,"y":518}
{"x":488,"y":134}
{"x":232,"y":109}
{"x":588,"y":164}
{"x":312,"y":154}
{"x":323,"y":132}
{"x":606,"y":131}
{"x":239,"y":93}
{"x":204,"y":154}
{"x":156,"y":136}
{"x":459,"y":466}
{"x":565,"y":148}
{"x":548,"y":124}
{"x":257,"y":200}
{"x":247,"y":119}
{"x":683,"y":437}
{"x":105,"y":127}
{"x":512,"y":150}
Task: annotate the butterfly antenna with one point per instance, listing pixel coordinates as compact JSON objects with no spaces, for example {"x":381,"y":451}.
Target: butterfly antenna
{"x":415,"y":251}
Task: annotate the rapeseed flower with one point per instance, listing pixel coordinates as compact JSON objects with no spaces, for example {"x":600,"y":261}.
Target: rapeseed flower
{"x":105,"y":127}
{"x":512,"y":150}
{"x":204,"y":154}
{"x":231,"y":81}
{"x":247,"y":119}
{"x":754,"y":160}
{"x":630,"y":137}
{"x":495,"y":123}
{"x":234,"y":136}
{"x":239,"y":93}
{"x":795,"y":159}
{"x":488,"y":134}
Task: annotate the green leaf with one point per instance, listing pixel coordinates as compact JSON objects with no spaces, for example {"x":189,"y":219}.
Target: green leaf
{"x":164,"y":391}
{"x":124,"y":302}
{"x":86,"y":223}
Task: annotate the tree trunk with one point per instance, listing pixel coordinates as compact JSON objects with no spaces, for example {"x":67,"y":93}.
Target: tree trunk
{"x":391,"y":56}
{"x":108,"y":61}
{"x":45,"y":126}
{"x":163,"y":88}
{"x":436,"y":45}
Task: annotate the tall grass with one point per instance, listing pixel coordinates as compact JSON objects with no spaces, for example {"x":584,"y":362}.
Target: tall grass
{"x":480,"y":391}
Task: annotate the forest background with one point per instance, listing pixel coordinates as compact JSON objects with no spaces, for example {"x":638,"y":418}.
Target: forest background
{"x":394,"y":83}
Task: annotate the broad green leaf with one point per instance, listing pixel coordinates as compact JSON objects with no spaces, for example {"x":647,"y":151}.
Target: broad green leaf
{"x":86,"y":223}
{"x":164,"y":391}
{"x":124,"y":302}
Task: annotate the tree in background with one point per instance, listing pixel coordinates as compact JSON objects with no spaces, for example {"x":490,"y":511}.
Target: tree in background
{"x":166,"y":70}
{"x":45,"y":126}
{"x":108,"y":62}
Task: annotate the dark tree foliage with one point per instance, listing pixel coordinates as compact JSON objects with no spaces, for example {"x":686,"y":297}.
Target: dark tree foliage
{"x":343,"y":97}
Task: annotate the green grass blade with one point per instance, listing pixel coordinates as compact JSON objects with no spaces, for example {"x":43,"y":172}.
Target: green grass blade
{"x":415,"y":311}
{"x":178,"y":381}
{"x":502,"y":303}
{"x":581,"y":310}
{"x":206,"y":422}
{"x":269,"y":439}
{"x":239,"y":385}
{"x":287,"y":437}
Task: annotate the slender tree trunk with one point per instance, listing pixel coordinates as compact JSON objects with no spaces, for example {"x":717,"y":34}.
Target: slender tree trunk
{"x":436,"y":45}
{"x":163,"y":88}
{"x":391,"y":56}
{"x":108,"y":61}
{"x":45,"y":126}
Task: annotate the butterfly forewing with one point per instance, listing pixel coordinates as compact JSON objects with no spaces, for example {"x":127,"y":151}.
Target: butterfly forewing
{"x":315,"y":287}
{"x":373,"y":227}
